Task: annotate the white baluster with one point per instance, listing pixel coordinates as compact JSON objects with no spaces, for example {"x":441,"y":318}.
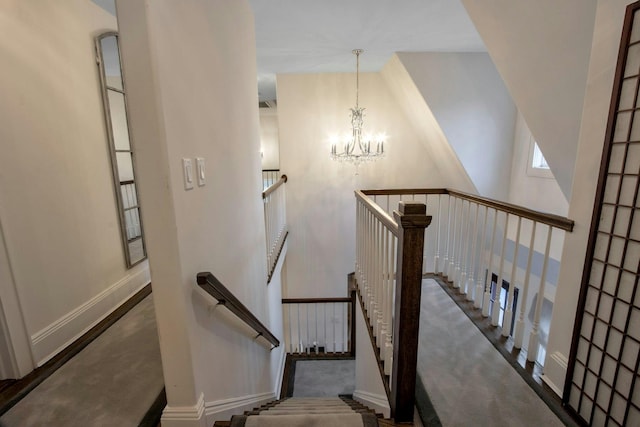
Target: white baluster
{"x":388,"y":360}
{"x":518,"y":337}
{"x":459,"y":247}
{"x":466,"y":235}
{"x":532,"y":351}
{"x":436,"y":258}
{"x":487,"y":285}
{"x":452,"y":254}
{"x":479,"y":281}
{"x":471,"y":264}
{"x":495,"y":312}
{"x":508,"y":312}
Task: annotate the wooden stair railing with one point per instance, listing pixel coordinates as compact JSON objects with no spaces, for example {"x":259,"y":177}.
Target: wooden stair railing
{"x":210,"y":284}
{"x":389,"y":280}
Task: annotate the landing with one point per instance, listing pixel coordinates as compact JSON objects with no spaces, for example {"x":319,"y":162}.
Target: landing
{"x":323,"y":378}
{"x":466,"y":378}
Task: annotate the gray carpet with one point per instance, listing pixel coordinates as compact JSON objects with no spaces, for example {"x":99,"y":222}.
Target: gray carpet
{"x":112,"y":382}
{"x":467,"y":379}
{"x":324,"y":378}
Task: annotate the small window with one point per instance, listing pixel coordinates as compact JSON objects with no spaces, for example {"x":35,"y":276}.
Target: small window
{"x":538,"y":162}
{"x":537,"y":165}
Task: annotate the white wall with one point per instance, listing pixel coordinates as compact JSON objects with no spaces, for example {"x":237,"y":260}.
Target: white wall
{"x":58,"y":206}
{"x":269,"y":139}
{"x":534,"y":192}
{"x":541,"y":48}
{"x":606,"y":40}
{"x":473,"y":107}
{"x":170,"y":51}
{"x":320,"y":200}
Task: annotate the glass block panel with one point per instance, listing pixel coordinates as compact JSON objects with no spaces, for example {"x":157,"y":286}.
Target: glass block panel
{"x":587,"y":324}
{"x":611,"y":189}
{"x":591,"y":305}
{"x":595,"y":278}
{"x":635,"y":30}
{"x":634,"y":324}
{"x":623,"y":217}
{"x":635,"y":396}
{"x":599,"y":417}
{"x":634,"y":233}
{"x":614,"y":343}
{"x":583,"y":348}
{"x":616,"y":162}
{"x":635,"y":128}
{"x":605,"y":307}
{"x":628,"y":189}
{"x":615,"y":253}
{"x":602,"y":245}
{"x":611,"y":279}
{"x":623,"y":123}
{"x":604,"y":394}
{"x":628,"y":94}
{"x":630,"y":354}
{"x":633,"y":419}
{"x":618,"y":407}
{"x":632,"y":257}
{"x":619,"y":319}
{"x":590,"y":385}
{"x":623,"y":381}
{"x":606,"y":219}
{"x":585,"y":408}
{"x":632,"y":164}
{"x":595,"y":358}
{"x":574,"y":398}
{"x":627,"y":284}
{"x":633,"y":61}
{"x":608,"y":369}
{"x":129,"y":195}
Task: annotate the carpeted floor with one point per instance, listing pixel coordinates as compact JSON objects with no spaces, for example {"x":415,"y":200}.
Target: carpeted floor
{"x":324,"y":378}
{"x":112,"y":382}
{"x":468,"y":381}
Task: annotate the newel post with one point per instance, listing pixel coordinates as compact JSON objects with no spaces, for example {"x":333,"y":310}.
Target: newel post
{"x":412,"y":221}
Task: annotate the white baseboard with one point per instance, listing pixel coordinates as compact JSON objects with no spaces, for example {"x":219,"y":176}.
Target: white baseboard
{"x":49,"y":341}
{"x":223,"y":410}
{"x":185,"y":416}
{"x":376,"y":402}
{"x":555,"y":371}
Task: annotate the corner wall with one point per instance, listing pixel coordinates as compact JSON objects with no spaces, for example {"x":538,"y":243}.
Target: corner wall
{"x":191,"y":73}
{"x":473,"y":107}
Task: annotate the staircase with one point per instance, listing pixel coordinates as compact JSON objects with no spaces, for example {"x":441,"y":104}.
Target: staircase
{"x":304,"y":412}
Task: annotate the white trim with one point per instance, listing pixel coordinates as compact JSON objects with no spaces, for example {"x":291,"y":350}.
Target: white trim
{"x":376,"y":402}
{"x":49,"y":341}
{"x":185,"y":416}
{"x":280,"y":374}
{"x":223,"y":410}
{"x":555,"y":366}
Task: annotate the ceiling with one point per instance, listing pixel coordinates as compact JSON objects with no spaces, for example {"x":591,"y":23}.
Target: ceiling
{"x":313,"y":36}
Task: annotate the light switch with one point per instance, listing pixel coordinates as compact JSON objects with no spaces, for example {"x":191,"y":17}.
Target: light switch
{"x":187,"y":170}
{"x":200,"y":171}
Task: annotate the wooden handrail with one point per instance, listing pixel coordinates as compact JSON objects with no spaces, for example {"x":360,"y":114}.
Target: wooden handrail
{"x":377,"y":211}
{"x":541,"y":217}
{"x":275,"y":186}
{"x":213,"y":287}
{"x":314,"y":300}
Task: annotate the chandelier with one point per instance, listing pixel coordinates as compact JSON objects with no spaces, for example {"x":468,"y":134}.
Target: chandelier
{"x":356,"y":148}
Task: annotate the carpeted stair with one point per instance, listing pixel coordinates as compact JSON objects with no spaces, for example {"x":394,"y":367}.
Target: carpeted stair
{"x":308,"y":412}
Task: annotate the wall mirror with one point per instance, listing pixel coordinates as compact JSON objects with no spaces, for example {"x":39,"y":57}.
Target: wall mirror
{"x":120,"y":147}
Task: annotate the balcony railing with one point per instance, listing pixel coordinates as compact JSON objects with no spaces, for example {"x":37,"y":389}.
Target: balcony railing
{"x":503,"y":257}
{"x":275,"y":222}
